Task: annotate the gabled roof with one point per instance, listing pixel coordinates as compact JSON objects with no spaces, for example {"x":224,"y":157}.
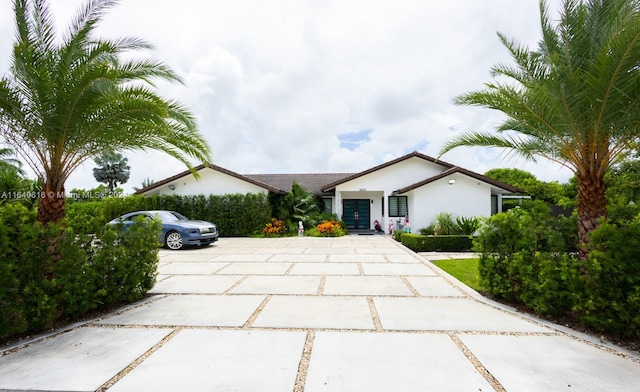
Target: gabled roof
{"x":414,"y":154}
{"x":311,"y":182}
{"x":216,"y":168}
{"x":456,"y":169}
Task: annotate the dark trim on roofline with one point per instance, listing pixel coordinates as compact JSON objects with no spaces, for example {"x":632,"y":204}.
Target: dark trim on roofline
{"x":213,"y":167}
{"x":457,"y":169}
{"x":414,"y":154}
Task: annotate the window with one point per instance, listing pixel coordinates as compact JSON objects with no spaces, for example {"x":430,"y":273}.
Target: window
{"x":328,"y":205}
{"x":397,"y":206}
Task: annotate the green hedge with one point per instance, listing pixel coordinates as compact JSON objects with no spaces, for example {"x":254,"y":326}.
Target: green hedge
{"x":611,"y":297}
{"x":50,"y":274}
{"x":432,"y":243}
{"x":524,"y":258}
{"x":236,"y":215}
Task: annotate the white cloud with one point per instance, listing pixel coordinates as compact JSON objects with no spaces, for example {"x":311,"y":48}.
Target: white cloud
{"x":273,"y":83}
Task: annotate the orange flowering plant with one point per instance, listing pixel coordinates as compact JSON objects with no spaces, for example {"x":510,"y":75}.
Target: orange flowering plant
{"x":328,"y":228}
{"x":274,"y":228}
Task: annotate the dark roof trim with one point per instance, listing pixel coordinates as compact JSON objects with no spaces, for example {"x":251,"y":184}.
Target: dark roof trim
{"x":213,"y":167}
{"x":466,"y":172}
{"x":414,"y":154}
{"x":312,"y":182}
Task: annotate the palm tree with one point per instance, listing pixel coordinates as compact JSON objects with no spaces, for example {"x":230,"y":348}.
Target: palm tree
{"x":145,"y":183}
{"x":67,"y":99}
{"x":13,"y":186}
{"x":574,"y":100}
{"x":112,"y":169}
{"x":9,"y":163}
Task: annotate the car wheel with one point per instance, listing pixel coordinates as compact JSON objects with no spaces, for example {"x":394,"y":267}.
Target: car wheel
{"x":173,"y":240}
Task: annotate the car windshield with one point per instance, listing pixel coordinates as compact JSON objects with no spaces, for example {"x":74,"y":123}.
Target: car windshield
{"x":169,"y":216}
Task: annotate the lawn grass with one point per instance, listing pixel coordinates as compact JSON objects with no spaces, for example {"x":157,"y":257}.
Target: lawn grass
{"x":465,"y":270}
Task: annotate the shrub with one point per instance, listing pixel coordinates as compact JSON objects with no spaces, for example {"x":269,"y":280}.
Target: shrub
{"x":234,"y":214}
{"x":467,"y":226}
{"x":611,"y":298}
{"x":450,"y":243}
{"x":330,"y":228}
{"x":50,"y":274}
{"x":524,"y":258}
{"x":429,"y":230}
{"x":274,"y":228}
{"x":85,"y":217}
{"x":445,"y":225}
{"x":529,"y":257}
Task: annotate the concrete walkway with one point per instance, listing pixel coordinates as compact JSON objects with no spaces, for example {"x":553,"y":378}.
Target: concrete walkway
{"x":357,"y":313}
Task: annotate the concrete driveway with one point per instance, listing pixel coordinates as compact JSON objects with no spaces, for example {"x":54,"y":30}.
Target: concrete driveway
{"x":357,"y":313}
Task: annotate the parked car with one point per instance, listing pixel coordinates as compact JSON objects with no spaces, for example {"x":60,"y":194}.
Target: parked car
{"x":177,"y":230}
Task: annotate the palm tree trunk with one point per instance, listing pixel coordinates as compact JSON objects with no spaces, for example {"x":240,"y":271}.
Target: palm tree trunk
{"x":51,"y":206}
{"x":592,"y":206}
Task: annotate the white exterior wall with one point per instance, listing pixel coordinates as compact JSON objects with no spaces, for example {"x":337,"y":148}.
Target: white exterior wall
{"x":211,"y":182}
{"x":382,"y":183}
{"x":467,"y":197}
{"x":394,"y":177}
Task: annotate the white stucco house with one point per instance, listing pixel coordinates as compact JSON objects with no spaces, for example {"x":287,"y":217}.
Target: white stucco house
{"x":414,"y":186}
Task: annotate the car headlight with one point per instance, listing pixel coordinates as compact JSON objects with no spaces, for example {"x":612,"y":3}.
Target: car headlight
{"x":207,"y":230}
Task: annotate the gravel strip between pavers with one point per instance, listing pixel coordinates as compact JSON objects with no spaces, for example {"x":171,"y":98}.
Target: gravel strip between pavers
{"x":138,"y":361}
{"x":477,"y":364}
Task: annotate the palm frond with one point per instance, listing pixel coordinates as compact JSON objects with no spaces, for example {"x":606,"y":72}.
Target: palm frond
{"x":69,"y":100}
{"x":575,"y":98}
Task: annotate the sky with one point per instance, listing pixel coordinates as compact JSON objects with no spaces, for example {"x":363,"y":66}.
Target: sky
{"x":317,"y":86}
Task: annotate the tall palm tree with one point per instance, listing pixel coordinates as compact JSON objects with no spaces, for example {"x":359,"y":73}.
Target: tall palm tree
{"x":575,"y":100}
{"x":67,"y":99}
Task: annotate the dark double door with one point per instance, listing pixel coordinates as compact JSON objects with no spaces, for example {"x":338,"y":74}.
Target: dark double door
{"x":357,"y":213}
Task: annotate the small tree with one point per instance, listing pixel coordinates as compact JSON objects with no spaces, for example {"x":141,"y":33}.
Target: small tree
{"x":297,"y":205}
{"x":112,"y":169}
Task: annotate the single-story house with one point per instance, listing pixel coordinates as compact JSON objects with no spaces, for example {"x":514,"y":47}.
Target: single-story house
{"x":415,"y":187}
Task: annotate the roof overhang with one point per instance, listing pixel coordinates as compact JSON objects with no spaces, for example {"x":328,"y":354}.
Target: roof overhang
{"x":497,"y":187}
{"x":213,"y":167}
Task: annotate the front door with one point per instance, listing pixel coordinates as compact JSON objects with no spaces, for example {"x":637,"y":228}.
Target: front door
{"x":356,"y":213}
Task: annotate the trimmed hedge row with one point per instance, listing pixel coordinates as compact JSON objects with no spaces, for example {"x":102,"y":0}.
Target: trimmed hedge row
{"x":50,"y":274}
{"x":523,"y":259}
{"x":236,"y":215}
{"x":433,"y":243}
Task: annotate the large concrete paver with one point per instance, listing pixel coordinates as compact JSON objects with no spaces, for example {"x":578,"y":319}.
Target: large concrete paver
{"x":255,"y":269}
{"x":431,"y":286}
{"x":397,"y":269}
{"x":190,"y":268}
{"x":325,"y":269}
{"x":278,"y":285}
{"x":552,"y":363}
{"x":385,"y":362}
{"x":188,"y":310}
{"x":357,"y":313}
{"x":205,"y":360}
{"x":79,"y":360}
{"x":316,"y":312}
{"x":195,"y":284}
{"x":366,"y":285}
{"x":444,"y":314}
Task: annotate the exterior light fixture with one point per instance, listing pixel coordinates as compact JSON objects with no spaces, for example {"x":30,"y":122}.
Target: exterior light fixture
{"x":172,"y":187}
{"x":451,"y":182}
